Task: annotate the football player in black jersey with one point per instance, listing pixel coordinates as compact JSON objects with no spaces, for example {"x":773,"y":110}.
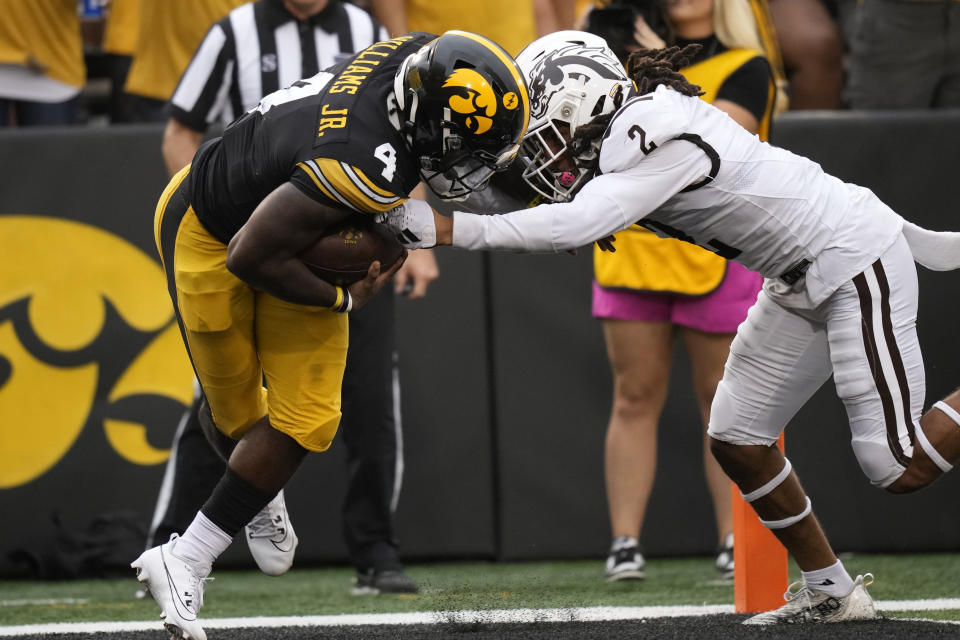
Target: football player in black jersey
{"x":448,"y":110}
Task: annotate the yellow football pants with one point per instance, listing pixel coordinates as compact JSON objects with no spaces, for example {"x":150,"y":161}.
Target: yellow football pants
{"x":237,"y":337}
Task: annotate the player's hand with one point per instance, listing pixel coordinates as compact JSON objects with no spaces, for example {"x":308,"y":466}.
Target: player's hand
{"x":362,"y":290}
{"x":607,"y":244}
{"x":412,"y":223}
{"x":417,"y":273}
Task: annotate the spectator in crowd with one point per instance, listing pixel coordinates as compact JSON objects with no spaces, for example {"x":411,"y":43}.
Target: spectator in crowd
{"x":41,"y":62}
{"x":121,"y":29}
{"x":527,"y":18}
{"x":904,"y":54}
{"x":169,"y":34}
{"x":811,"y":45}
{"x":257,"y":49}
{"x":653,"y":290}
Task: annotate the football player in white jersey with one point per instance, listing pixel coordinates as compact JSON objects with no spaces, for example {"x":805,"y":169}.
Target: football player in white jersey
{"x":840,"y":295}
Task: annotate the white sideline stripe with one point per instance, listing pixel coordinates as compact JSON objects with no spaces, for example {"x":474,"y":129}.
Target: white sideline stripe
{"x":582,"y":614}
{"x":42,"y":602}
{"x":935,"y":604}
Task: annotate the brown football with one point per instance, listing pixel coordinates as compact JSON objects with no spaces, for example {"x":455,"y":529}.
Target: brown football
{"x":345,"y":251}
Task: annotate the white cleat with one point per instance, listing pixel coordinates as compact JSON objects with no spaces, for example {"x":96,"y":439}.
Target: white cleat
{"x":810,"y":605}
{"x":271,"y":537}
{"x":177,"y":586}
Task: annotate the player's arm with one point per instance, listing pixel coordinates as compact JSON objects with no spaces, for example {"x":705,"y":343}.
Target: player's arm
{"x":180,"y":143}
{"x":608,"y":203}
{"x":264,"y":252}
{"x":392,"y":14}
{"x":200,"y":97}
{"x":553,"y":15}
{"x":421,"y":267}
{"x":744,"y":96}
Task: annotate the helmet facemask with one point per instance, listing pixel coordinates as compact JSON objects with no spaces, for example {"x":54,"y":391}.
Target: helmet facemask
{"x":552,"y":167}
{"x":459,"y":171}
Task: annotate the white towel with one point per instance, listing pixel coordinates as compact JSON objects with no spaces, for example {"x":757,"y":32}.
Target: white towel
{"x":936,"y":250}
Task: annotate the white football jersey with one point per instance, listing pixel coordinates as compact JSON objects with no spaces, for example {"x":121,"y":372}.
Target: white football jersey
{"x":684,"y":169}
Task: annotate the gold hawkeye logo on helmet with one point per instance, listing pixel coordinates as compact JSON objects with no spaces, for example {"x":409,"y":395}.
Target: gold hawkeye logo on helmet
{"x":480,"y":103}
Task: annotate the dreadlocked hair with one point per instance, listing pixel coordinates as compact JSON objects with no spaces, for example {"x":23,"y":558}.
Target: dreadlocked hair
{"x":648,"y":68}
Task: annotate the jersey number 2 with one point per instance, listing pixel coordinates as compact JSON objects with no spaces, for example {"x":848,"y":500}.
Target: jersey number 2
{"x":386,"y":154}
{"x":637,"y":130}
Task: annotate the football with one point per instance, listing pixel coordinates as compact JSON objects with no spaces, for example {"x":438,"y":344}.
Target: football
{"x":345,"y":251}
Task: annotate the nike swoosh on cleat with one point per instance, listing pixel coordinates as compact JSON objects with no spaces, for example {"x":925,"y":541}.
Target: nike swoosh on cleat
{"x":176,"y":600}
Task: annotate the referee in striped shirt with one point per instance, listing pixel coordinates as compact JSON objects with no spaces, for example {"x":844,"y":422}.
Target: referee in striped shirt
{"x":258,"y":48}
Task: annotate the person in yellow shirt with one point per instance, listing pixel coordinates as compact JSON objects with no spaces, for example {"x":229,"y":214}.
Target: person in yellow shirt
{"x":41,"y":62}
{"x":654,"y":290}
{"x":170,"y":32}
{"x":528,"y":18}
{"x":120,"y":31}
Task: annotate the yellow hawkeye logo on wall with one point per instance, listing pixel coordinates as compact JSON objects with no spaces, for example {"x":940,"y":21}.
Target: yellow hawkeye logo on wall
{"x":480,"y":102}
{"x":85,"y":330}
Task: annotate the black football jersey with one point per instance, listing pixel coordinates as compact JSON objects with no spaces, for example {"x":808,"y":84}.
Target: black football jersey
{"x":330,"y":135}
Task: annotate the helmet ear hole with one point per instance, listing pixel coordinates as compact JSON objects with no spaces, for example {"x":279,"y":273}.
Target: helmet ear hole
{"x":598,"y":107}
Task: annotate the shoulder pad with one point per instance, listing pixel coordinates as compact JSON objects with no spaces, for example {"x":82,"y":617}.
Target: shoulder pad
{"x":640,"y":126}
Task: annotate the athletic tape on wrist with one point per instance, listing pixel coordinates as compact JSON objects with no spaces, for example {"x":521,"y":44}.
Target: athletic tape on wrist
{"x":756,"y":494}
{"x":786,"y":522}
{"x":928,"y":447}
{"x":344,"y":301}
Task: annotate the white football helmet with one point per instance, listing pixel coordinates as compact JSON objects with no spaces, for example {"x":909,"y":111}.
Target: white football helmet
{"x":572,"y":77}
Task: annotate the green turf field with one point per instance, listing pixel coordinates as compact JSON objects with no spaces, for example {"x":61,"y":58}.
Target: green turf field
{"x":469,"y":586}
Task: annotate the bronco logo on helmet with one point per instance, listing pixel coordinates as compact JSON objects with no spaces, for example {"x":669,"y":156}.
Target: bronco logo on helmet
{"x":548,"y":76}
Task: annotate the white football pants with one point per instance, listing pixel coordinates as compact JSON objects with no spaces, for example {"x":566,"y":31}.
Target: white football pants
{"x":864,"y":334}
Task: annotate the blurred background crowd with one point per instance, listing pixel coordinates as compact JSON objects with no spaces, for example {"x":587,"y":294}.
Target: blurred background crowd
{"x":96,"y":62}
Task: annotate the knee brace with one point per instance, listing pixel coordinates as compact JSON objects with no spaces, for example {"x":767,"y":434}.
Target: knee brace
{"x":777,"y":480}
{"x":927,"y":446}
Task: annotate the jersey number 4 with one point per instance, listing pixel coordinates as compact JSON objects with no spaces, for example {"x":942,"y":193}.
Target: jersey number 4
{"x":386,"y":154}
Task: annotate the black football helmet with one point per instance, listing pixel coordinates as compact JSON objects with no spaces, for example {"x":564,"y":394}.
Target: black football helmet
{"x":463,"y":109}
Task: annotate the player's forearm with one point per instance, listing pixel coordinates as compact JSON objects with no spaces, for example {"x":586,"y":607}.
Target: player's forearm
{"x":264,"y":252}
{"x":544,"y":228}
{"x":286,"y":278}
{"x":503,"y":232}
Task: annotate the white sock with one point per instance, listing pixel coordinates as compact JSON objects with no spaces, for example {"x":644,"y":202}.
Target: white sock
{"x":833,"y":580}
{"x":202,"y":542}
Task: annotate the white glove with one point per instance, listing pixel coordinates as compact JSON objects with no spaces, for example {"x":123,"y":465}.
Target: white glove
{"x":412,"y":223}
